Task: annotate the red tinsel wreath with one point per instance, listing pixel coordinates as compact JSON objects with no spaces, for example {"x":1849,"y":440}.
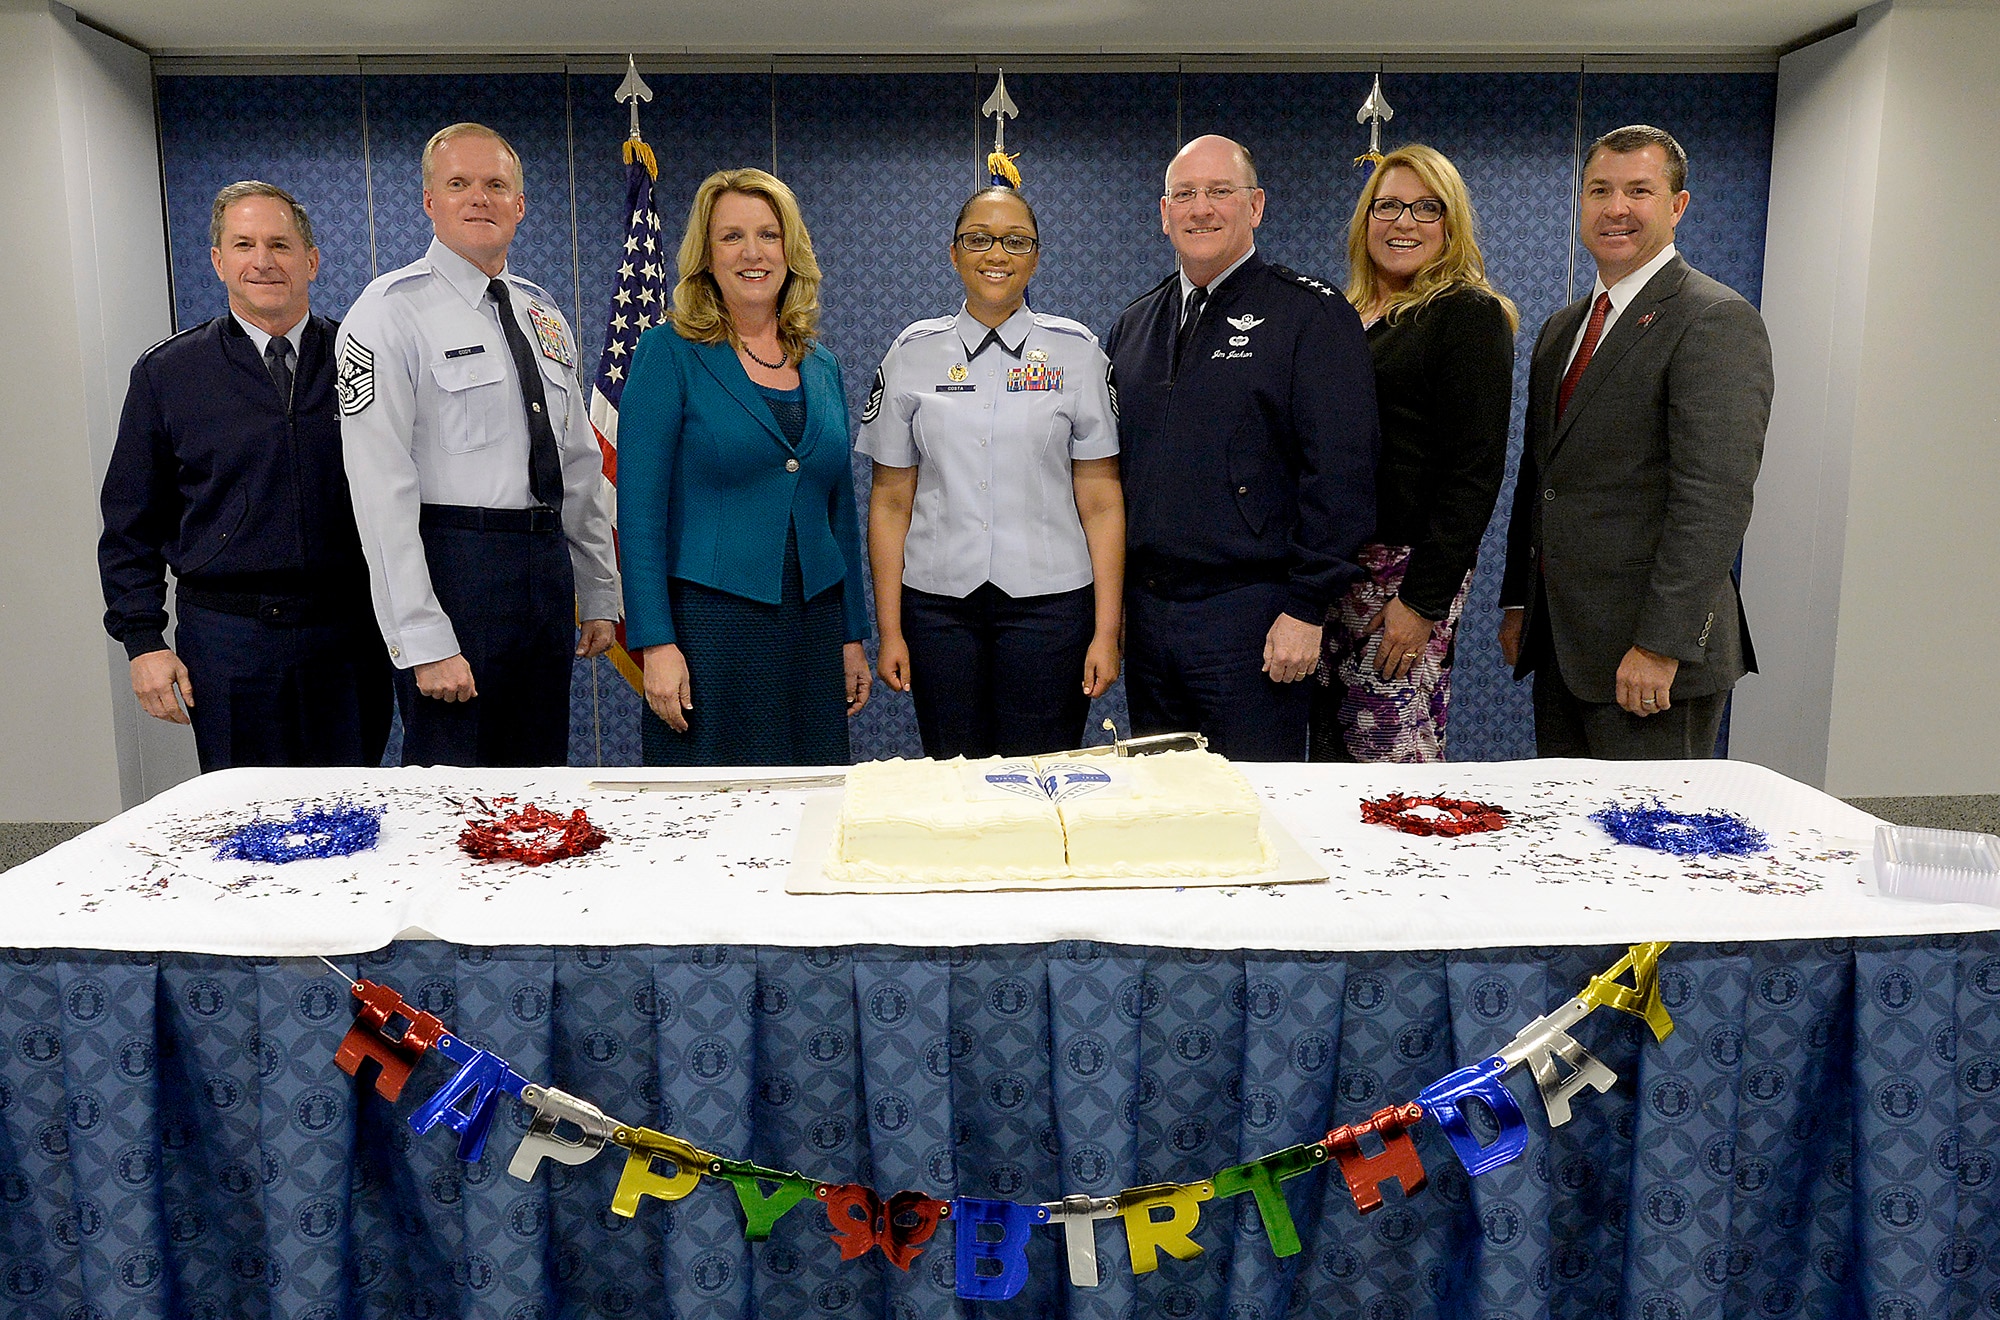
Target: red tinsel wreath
{"x":530,"y":835}
{"x":1460,"y":815}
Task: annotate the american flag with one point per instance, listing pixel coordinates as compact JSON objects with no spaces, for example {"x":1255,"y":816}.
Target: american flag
{"x":639,"y":301}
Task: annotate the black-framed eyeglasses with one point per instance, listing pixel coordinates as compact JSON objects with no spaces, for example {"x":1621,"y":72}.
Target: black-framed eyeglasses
{"x":1014,"y":245}
{"x":1221,"y":194}
{"x":1425,"y":210}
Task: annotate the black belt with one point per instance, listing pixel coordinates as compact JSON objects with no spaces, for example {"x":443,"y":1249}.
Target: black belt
{"x":285,"y":609}
{"x":1184,"y":581}
{"x":473,"y":519}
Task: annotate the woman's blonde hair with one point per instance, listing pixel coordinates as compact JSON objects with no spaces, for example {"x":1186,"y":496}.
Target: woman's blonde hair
{"x":1459,"y":264}
{"x":698,"y":312}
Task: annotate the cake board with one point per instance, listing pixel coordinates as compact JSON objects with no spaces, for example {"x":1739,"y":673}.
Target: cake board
{"x":821,"y":818}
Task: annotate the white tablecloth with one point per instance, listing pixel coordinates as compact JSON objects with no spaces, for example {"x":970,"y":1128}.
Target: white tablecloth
{"x":710,"y":869}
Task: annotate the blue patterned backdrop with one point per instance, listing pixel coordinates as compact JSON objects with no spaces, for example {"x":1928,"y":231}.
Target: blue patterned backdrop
{"x":1817,"y":1139}
{"x":881,"y":162}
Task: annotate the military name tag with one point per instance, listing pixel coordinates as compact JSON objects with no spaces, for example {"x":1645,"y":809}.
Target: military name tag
{"x":549,"y":331}
{"x":957,"y":389}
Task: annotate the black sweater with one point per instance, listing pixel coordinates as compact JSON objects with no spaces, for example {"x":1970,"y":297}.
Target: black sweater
{"x":1444,"y":378}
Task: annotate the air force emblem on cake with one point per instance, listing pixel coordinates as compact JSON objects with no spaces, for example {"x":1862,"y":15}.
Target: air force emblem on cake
{"x":549,"y":331}
{"x":1062,"y":783}
{"x":1035,"y":376}
{"x":1016,"y":777}
{"x":354,"y":386}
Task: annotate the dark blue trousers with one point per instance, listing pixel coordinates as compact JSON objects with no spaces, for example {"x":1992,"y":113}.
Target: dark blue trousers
{"x":997,"y":675}
{"x":312,"y":689}
{"x":1198,"y":665}
{"x":511,"y":598}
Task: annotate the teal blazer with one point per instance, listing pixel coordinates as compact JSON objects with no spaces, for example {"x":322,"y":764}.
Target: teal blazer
{"x":707,"y":485}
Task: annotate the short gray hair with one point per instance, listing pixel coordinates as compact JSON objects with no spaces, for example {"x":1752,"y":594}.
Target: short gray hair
{"x":237,"y":192}
{"x":1637,"y":137}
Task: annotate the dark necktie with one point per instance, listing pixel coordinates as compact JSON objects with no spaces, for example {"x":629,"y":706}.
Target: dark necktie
{"x":1591,"y":334}
{"x":278,"y":361}
{"x":1190,"y":315}
{"x":544,"y":466}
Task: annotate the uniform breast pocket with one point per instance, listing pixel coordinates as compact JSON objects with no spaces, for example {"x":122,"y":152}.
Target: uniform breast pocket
{"x":472,"y":401}
{"x":556,"y":385}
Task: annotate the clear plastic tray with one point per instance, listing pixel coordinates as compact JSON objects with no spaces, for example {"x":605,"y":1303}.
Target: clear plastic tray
{"x":1942,"y":866}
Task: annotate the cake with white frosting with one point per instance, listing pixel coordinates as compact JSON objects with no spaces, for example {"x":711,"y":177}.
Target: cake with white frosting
{"x":1175,"y":813}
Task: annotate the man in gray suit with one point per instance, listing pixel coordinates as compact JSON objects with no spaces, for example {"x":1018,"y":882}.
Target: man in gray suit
{"x":1647,"y":403}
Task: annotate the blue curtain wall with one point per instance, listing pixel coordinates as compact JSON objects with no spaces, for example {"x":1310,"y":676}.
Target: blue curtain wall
{"x":881,"y":162}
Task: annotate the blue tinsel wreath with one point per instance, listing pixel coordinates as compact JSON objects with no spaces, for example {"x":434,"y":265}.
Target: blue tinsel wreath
{"x":1708,"y":834}
{"x":331,"y":831}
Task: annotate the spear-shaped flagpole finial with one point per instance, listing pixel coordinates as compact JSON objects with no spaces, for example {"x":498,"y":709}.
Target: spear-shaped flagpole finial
{"x":1001,"y":106}
{"x":632,"y":91}
{"x":1374,"y":112}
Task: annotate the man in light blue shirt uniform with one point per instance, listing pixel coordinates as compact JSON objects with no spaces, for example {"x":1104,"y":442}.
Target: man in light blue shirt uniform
{"x":478,"y":486}
{"x":996,"y":507}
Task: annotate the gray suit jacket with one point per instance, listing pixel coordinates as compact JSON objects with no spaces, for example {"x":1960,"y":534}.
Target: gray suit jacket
{"x":1629,"y":512}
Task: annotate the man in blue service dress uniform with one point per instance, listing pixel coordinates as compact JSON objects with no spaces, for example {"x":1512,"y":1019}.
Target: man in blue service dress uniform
{"x":478,"y":486}
{"x":1247,"y":435}
{"x":227,"y":469}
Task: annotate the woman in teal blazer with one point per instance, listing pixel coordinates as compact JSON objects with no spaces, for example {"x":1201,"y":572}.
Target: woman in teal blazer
{"x":738,"y":537}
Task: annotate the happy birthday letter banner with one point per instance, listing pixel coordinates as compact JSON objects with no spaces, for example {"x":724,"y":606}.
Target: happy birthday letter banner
{"x":389,"y":1037}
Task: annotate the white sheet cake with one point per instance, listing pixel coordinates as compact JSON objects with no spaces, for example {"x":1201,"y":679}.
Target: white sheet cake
{"x":996,"y":819}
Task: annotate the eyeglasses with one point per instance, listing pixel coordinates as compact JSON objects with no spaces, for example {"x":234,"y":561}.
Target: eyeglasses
{"x":1221,"y":194}
{"x":1014,"y":245}
{"x":1425,"y":210}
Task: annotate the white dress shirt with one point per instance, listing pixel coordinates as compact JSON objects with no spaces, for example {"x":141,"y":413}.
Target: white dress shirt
{"x":1187,"y":285}
{"x":992,"y":430}
{"x":1622,"y":294}
{"x":296,"y":336}
{"x":431,"y":413}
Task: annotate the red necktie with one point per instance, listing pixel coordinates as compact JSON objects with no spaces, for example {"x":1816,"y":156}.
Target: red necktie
{"x":1595,"y":330}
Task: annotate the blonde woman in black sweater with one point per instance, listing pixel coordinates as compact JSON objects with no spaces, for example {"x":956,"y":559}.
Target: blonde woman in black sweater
{"x":1442,"y":339}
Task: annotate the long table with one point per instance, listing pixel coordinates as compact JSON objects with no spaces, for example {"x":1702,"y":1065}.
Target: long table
{"x":1818,"y":1136}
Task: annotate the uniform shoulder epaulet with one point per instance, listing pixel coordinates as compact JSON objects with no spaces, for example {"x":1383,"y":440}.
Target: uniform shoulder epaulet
{"x":1062,"y":325}
{"x":1171,"y":277}
{"x":930,"y":325}
{"x":1318,"y":286}
{"x":175,"y":337}
{"x":529,"y":286}
{"x":389,"y":279}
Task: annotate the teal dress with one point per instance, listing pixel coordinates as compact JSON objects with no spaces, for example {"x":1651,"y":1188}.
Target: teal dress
{"x":763,"y":676}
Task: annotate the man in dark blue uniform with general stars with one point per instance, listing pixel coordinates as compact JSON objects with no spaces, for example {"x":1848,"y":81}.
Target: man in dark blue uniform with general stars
{"x":1248,"y":436}
{"x":227,"y":470}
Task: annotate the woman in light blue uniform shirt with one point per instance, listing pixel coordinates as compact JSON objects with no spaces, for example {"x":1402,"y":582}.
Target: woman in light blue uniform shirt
{"x":996,"y":521}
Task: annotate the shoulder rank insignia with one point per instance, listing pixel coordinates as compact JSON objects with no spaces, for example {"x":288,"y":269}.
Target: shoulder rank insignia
{"x":354,"y":385}
{"x":549,"y":331}
{"x":873,"y":408}
{"x":1306,"y":281}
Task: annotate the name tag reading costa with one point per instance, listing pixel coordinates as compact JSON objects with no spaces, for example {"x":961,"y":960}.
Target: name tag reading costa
{"x":957,"y":389}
